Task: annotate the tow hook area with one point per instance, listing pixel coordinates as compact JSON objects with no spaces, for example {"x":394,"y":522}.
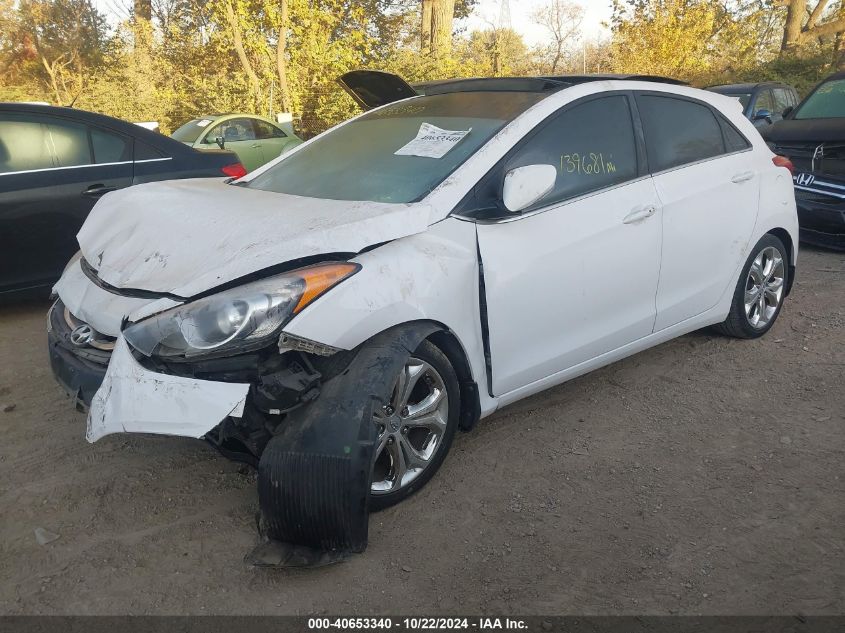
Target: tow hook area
{"x":314,"y":475}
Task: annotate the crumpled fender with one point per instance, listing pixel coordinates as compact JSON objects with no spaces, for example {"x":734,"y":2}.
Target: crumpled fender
{"x":314,"y":477}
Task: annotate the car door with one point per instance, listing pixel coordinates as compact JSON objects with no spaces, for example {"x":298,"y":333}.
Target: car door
{"x":709,"y":189}
{"x":273,"y":139}
{"x":56,"y":169}
{"x":574,"y":276}
{"x":238,"y":136}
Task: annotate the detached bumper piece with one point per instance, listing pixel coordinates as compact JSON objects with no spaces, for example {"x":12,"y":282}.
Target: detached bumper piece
{"x":314,"y":477}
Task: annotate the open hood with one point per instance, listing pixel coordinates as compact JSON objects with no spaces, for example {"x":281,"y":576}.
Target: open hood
{"x":184,"y":237}
{"x":374,"y":88}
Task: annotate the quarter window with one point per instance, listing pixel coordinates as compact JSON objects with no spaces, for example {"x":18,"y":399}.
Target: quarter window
{"x":592,"y":145}
{"x":678,"y":132}
{"x":108,"y":147}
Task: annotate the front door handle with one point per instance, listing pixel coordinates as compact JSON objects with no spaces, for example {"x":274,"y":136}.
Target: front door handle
{"x":255,"y":145}
{"x":640,"y":213}
{"x":742,"y":177}
{"x":95,"y":191}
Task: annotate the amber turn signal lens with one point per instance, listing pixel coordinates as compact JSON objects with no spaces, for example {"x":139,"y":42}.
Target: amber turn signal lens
{"x":320,"y":278}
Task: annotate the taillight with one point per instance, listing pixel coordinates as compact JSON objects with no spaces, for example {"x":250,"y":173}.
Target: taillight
{"x":783,"y":161}
{"x":235,"y":170}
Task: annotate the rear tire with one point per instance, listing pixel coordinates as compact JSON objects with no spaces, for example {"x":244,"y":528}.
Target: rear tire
{"x":760,"y":291}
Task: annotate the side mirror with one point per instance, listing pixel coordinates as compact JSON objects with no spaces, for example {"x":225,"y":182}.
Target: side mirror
{"x":788,"y":111}
{"x":526,"y":185}
{"x":763,"y":115}
{"x":221,"y":142}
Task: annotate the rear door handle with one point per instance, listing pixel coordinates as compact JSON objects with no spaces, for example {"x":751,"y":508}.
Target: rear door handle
{"x":95,"y":191}
{"x":640,"y":213}
{"x":254,"y":145}
{"x":742,"y":177}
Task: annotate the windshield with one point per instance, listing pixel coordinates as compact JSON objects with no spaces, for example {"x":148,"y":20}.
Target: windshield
{"x":827,"y":102}
{"x":398,"y":153}
{"x":191,"y":131}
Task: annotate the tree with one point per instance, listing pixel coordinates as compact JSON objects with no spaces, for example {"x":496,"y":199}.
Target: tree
{"x":696,"y":40}
{"x":66,"y":37}
{"x":563,"y":20}
{"x":805,"y":23}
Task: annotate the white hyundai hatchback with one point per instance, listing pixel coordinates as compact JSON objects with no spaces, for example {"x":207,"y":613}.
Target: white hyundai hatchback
{"x":335,"y":316}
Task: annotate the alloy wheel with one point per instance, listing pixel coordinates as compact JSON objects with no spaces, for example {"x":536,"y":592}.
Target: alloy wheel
{"x":764,"y":287}
{"x":410,"y":427}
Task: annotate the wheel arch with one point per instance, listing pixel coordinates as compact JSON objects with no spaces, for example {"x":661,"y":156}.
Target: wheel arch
{"x":784,"y":236}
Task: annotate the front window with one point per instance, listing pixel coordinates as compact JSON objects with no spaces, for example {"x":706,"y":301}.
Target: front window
{"x":383,"y":157}
{"x":827,"y":102}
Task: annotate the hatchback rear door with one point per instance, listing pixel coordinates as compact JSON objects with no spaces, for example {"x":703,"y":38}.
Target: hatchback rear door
{"x":709,"y":187}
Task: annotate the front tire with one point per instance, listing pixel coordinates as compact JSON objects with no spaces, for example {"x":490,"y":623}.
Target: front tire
{"x":760,"y":291}
{"x":415,"y":425}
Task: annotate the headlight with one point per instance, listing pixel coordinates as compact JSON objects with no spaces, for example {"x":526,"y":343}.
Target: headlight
{"x":246,"y":317}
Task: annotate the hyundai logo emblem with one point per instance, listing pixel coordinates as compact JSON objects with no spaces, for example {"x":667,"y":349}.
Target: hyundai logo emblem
{"x":805,"y":180}
{"x":82,"y":335}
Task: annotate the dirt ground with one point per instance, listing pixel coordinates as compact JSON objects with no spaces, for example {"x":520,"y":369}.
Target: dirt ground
{"x":704,"y":476}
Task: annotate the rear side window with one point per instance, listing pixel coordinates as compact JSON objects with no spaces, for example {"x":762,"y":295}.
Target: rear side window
{"x":678,"y":132}
{"x":146,"y":152}
{"x":266,"y":130}
{"x":24,"y":144}
{"x":70,"y":143}
{"x":109,"y":147}
{"x":231,"y":131}
{"x":592,"y":145}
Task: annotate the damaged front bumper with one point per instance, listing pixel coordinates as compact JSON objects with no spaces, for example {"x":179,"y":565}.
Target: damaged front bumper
{"x":124,"y":397}
{"x":133,"y":399}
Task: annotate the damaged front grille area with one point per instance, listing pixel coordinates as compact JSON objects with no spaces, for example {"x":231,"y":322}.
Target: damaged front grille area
{"x":78,"y":337}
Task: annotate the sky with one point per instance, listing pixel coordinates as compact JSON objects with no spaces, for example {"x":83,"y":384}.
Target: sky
{"x":595,"y":12}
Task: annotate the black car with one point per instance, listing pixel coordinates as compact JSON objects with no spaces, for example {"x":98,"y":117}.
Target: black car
{"x":762,"y":103}
{"x":812,"y":135}
{"x":54,"y":165}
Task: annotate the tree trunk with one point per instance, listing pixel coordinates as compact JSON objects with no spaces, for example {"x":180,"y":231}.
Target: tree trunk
{"x":238,"y":43}
{"x":436,"y":28}
{"x":425,"y":28}
{"x":795,"y":11}
{"x":281,"y":59}
{"x":797,"y":32}
{"x":442,"y":15}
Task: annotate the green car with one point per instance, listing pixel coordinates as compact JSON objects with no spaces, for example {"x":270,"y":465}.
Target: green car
{"x":253,"y":138}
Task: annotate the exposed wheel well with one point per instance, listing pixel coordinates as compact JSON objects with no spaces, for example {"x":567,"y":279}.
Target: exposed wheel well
{"x":784,"y":236}
{"x":447,"y":343}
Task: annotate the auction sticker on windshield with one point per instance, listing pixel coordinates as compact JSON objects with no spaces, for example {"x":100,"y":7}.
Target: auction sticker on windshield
{"x":432,"y":142}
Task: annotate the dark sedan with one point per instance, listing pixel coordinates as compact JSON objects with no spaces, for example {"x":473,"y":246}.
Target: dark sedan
{"x":55,"y":163}
{"x":813,"y":137}
{"x":762,"y":103}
